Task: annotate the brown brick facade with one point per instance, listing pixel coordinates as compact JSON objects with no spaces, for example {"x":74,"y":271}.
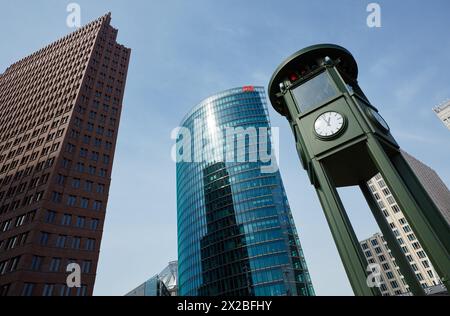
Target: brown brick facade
{"x":59,"y":116}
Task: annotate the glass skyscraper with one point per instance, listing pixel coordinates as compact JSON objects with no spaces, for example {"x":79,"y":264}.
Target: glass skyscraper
{"x":236,"y":235}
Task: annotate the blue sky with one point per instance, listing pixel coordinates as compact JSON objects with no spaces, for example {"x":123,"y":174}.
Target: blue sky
{"x":183,"y":51}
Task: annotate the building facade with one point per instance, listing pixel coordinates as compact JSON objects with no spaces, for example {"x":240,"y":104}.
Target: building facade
{"x":432,"y":183}
{"x":59,"y":118}
{"x":443,"y":113}
{"x":169,"y":276}
{"x":411,"y":247}
{"x":164,"y":283}
{"x":152,"y":287}
{"x":391,"y":280}
{"x":236,"y":235}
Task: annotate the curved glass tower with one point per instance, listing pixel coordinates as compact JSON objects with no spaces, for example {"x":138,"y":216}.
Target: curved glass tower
{"x":236,"y":235}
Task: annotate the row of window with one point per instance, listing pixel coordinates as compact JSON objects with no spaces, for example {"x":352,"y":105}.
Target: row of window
{"x":81,"y":168}
{"x":77,"y":183}
{"x":56,"y":264}
{"x":17,"y":221}
{"x":42,"y":165}
{"x":28,"y":200}
{"x":64,"y":241}
{"x":73,"y":200}
{"x":69,"y":220}
{"x":54,"y":290}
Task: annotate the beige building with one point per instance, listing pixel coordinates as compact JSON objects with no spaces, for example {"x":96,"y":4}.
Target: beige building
{"x":443,"y":112}
{"x":376,"y":252}
{"x":411,"y":247}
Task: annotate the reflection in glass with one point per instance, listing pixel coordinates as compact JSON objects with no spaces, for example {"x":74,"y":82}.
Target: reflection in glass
{"x":236,"y":235}
{"x":314,"y":92}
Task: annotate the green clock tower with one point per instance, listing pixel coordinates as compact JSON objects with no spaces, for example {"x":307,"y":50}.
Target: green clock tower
{"x":342,"y":140}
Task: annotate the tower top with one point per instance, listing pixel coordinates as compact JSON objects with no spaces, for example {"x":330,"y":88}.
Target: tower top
{"x":306,"y":58}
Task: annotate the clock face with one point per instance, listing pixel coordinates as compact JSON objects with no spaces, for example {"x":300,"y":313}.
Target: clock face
{"x":329,"y":124}
{"x":379,"y":119}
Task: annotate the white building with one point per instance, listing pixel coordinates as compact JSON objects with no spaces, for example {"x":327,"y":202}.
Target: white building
{"x":443,"y":112}
{"x":376,"y":252}
{"x":375,"y":248}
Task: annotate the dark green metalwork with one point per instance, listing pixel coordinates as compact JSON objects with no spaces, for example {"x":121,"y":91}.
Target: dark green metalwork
{"x":362,"y":148}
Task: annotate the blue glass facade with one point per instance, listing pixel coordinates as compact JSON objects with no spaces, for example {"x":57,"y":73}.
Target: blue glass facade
{"x":236,"y":235}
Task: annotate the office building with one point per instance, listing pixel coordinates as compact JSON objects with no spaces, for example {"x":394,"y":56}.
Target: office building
{"x":411,"y":247}
{"x":236,"y":234}
{"x":59,"y":118}
{"x":432,"y":183}
{"x":391,"y":280}
{"x":162,"y":284}
{"x":443,"y":113}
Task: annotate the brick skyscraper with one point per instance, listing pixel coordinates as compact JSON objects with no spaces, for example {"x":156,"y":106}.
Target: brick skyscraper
{"x":59,"y":117}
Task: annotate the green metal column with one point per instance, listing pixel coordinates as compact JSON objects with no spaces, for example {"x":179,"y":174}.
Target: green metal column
{"x":400,"y":259}
{"x":427,"y":234}
{"x":344,"y":236}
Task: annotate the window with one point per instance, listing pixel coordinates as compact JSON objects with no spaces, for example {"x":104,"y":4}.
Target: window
{"x":88,"y":186}
{"x":55,"y":265}
{"x":3,"y":266}
{"x":94,"y":223}
{"x":75,"y":183}
{"x":81,"y":221}
{"x":90,"y":244}
{"x":48,"y":290}
{"x":100,"y":188}
{"x":50,"y":217}
{"x":80,"y":167}
{"x":97,"y":206}
{"x":28,"y":289}
{"x":36,"y":263}
{"x":4,"y":289}
{"x":56,"y":197}
{"x":314,"y":92}
{"x":43,"y":241}
{"x":83,"y":152}
{"x":94,"y":156}
{"x":394,"y":284}
{"x":103,"y":172}
{"x":64,"y":290}
{"x":76,"y":242}
{"x":98,"y":142}
{"x":82,"y":290}
{"x":395,"y":208}
{"x":86,"y":139}
{"x":14,"y":264}
{"x":60,"y":180}
{"x":86,"y":266}
{"x":61,"y":241}
{"x":66,"y":163}
{"x":84,"y":202}
{"x":72,"y":200}
{"x":66,"y":220}
{"x":70,"y":148}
